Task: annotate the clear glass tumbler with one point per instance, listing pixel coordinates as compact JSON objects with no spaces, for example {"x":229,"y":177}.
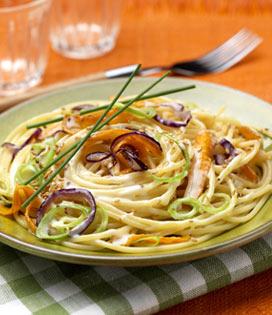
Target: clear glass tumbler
{"x":83,"y":29}
{"x":23,"y":43}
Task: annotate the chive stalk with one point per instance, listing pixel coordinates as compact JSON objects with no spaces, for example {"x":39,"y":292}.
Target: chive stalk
{"x":95,"y":128}
{"x":96,"y":109}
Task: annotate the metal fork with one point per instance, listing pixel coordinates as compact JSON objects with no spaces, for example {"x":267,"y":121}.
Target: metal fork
{"x":219,"y":59}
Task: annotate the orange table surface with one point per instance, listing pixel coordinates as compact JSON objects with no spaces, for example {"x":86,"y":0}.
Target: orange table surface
{"x":161,"y":32}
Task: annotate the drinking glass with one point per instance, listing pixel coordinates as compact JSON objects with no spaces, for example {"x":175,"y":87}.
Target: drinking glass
{"x":83,"y":29}
{"x":23,"y":43}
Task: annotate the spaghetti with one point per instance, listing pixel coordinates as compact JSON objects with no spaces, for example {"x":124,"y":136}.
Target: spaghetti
{"x":160,"y":176}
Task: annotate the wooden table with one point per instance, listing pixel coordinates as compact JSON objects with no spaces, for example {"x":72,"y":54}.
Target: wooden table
{"x":162,"y":31}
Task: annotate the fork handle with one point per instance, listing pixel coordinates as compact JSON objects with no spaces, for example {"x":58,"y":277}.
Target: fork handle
{"x":9,"y":101}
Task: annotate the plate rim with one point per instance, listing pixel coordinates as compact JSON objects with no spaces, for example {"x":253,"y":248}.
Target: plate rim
{"x":135,"y":260}
{"x":103,"y":81}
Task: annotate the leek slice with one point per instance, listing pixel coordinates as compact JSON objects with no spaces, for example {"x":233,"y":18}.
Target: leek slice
{"x":55,"y":220}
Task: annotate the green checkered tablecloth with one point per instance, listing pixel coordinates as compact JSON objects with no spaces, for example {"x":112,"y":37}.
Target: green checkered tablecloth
{"x":32,"y":285}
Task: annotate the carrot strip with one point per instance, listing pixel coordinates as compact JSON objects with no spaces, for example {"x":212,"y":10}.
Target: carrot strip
{"x":21,"y":193}
{"x":31,"y":210}
{"x":107,"y":135}
{"x":29,"y":221}
{"x":174,"y":239}
{"x":73,"y":124}
{"x":248,"y":173}
{"x":248,"y":133}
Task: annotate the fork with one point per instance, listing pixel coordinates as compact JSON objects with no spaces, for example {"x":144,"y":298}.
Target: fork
{"x":219,"y":59}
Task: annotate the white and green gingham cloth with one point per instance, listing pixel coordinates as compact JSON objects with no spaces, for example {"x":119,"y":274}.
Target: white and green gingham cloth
{"x":33,"y":285}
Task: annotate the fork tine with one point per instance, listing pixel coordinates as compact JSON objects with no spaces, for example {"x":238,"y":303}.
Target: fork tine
{"x":228,"y":54}
{"x":231,"y":42}
{"x":237,"y":57}
{"x":222,"y":57}
{"x":228,"y":51}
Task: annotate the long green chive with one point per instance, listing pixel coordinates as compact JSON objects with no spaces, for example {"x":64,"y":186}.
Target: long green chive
{"x":144,"y":97}
{"x":96,"y":109}
{"x":95,"y":128}
{"x":70,"y":149}
{"x":147,"y":113}
{"x":44,"y":123}
{"x":81,"y":142}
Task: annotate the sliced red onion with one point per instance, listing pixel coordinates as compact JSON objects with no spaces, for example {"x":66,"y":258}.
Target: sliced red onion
{"x":230,"y":152}
{"x":14,"y":149}
{"x":77,"y":109}
{"x":118,"y":139}
{"x":78,"y":195}
{"x":176,"y":106}
{"x":33,"y":136}
{"x":128,"y":151}
{"x":229,"y":148}
{"x":97,"y":156}
{"x":220,"y":159}
{"x":131,"y":155}
{"x":185,"y":117}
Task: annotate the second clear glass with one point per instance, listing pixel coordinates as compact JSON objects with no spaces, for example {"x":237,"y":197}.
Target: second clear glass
{"x":83,"y":29}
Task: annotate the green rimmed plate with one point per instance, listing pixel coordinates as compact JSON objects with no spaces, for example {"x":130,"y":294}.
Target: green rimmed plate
{"x":244,"y":107}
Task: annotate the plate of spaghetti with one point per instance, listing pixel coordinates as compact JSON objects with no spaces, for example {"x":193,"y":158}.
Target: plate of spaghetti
{"x":93,"y":175}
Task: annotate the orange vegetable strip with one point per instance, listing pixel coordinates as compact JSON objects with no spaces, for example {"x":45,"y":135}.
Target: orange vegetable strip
{"x":200,"y":166}
{"x":21,"y":193}
{"x":249,"y":173}
{"x":78,"y":122}
{"x":248,"y":133}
